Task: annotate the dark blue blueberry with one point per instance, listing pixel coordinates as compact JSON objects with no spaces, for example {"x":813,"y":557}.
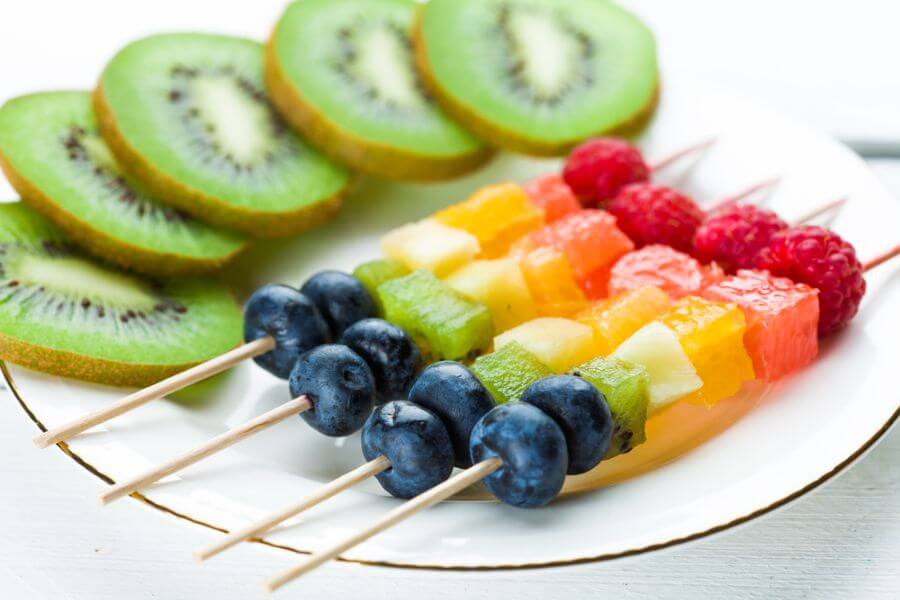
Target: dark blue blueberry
{"x":532,"y":448}
{"x":341,"y":298}
{"x":392,"y":355}
{"x":289,"y":317}
{"x":415,"y":441}
{"x":452,"y":392}
{"x":581,"y":411}
{"x":340,"y":385}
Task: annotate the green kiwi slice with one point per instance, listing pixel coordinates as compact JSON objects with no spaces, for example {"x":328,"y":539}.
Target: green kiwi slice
{"x":64,"y":314}
{"x":187,"y":115}
{"x":341,"y":71}
{"x":537,"y":76}
{"x":52,"y":153}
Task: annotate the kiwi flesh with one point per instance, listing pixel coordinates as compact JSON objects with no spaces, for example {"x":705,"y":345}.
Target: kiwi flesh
{"x":53,"y":155}
{"x":63,"y":314}
{"x":187,"y":116}
{"x":341,"y":72}
{"x":537,"y":76}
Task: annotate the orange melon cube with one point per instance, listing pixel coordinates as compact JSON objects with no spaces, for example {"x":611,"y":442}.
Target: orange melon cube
{"x":551,"y":194}
{"x":615,"y":319}
{"x":552,"y":283}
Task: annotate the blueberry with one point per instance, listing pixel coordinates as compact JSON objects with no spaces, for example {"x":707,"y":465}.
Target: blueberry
{"x":340,"y":385}
{"x":392,"y":355}
{"x":415,"y":441}
{"x":290,"y":318}
{"x":341,"y":298}
{"x":581,"y":411}
{"x":532,"y":448}
{"x":455,"y":394}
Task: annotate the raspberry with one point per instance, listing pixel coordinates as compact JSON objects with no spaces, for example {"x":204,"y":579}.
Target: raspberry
{"x":654,"y":214}
{"x":734,"y":236}
{"x":597,"y":169}
{"x":823,"y":260}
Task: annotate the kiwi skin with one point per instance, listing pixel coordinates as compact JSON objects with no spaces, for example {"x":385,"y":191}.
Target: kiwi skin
{"x":261,"y":224}
{"x":105,"y":247}
{"x":504,"y":138}
{"x":85,"y":368}
{"x":365,"y":156}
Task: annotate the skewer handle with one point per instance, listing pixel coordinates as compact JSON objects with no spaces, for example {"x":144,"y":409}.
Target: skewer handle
{"x":401,"y":513}
{"x":881,"y":258}
{"x":744,"y":194}
{"x":157,"y":390}
{"x":345,"y":481}
{"x":821,"y":210}
{"x":220,"y":442}
{"x":676,"y":156}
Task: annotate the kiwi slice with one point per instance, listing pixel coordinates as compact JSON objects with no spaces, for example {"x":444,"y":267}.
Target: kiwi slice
{"x":64,"y":314}
{"x":52,"y":153}
{"x":537,"y":76}
{"x":342,"y":72}
{"x":186,"y":114}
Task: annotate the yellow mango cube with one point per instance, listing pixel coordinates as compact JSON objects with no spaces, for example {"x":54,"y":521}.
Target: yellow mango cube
{"x":615,"y":319}
{"x":712,"y":335}
{"x":499,"y":285}
{"x":496,"y":215}
{"x":552,"y":283}
{"x":430,"y":245}
{"x":558,"y":343}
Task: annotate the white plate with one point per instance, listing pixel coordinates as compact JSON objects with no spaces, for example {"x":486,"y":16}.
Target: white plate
{"x":702,"y":471}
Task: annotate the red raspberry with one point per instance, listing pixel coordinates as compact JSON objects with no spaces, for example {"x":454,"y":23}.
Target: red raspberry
{"x":655,"y":214}
{"x":597,"y":169}
{"x":734,"y":235}
{"x":822,"y":259}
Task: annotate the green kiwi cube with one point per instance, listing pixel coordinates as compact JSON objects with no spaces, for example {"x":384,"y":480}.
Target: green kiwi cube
{"x":445,"y":323}
{"x":375,"y":272}
{"x":509,"y":371}
{"x":626,"y":386}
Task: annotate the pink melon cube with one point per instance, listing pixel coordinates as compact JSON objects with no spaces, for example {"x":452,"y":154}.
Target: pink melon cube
{"x":782,"y":320}
{"x":676,"y":273}
{"x":553,"y":195}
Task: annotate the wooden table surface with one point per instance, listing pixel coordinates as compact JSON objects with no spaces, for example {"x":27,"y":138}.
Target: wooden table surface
{"x":836,"y":68}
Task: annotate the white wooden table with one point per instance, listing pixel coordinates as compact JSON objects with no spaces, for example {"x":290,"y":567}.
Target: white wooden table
{"x":836,"y":64}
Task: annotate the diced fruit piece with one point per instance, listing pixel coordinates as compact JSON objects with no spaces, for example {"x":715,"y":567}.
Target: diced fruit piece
{"x":627,"y":389}
{"x":596,"y":285}
{"x":496,"y":215}
{"x":551,"y":194}
{"x":499,"y":285}
{"x":782,"y":317}
{"x":375,"y":272}
{"x":712,"y":335}
{"x":656,"y":348}
{"x":430,"y":245}
{"x":614,"y":320}
{"x":441,"y":320}
{"x":674,"y":272}
{"x":589,"y":238}
{"x":558,"y":343}
{"x":508,"y":371}
{"x":551,"y":282}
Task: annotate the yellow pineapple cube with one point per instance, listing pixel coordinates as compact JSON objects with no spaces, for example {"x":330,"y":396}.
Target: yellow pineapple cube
{"x":712,"y":335}
{"x":430,"y":245}
{"x":496,"y":215}
{"x":615,"y":319}
{"x":500,"y":285}
{"x":558,"y":343}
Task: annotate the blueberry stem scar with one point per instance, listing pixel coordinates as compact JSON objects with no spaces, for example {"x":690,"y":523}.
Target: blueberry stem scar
{"x":345,"y":481}
{"x":157,"y":390}
{"x":207,"y":449}
{"x":401,"y":513}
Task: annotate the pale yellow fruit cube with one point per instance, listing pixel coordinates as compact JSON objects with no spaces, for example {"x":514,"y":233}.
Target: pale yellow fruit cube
{"x":500,"y":285}
{"x":430,"y":245}
{"x":558,"y":343}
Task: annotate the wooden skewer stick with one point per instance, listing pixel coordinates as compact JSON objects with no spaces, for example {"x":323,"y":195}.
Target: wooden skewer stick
{"x":345,"y":481}
{"x":743,"y":195}
{"x":399,"y":514}
{"x":220,"y":442}
{"x":155,"y":391}
{"x":881,"y":258}
{"x":676,"y":156}
{"x":821,"y":210}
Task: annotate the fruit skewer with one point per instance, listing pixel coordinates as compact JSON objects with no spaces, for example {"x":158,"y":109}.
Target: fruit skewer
{"x":507,"y":433}
{"x":264,"y":349}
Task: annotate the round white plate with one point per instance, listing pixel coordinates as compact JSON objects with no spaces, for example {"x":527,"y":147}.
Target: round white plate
{"x":702,"y":471}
